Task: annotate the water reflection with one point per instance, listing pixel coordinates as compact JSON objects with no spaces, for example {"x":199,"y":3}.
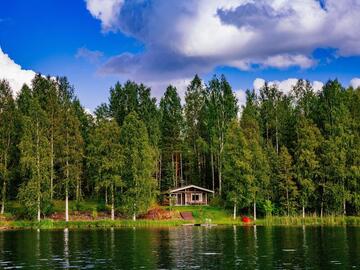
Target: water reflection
{"x":183,"y":248}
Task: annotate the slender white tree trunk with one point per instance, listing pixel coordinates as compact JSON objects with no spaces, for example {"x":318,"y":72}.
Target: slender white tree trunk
{"x":67,"y":204}
{"x":38,"y":210}
{"x":254,"y":210}
{"x":52,"y":166}
{"x":38,"y":171}
{"x":303,"y":211}
{"x":234,"y":215}
{"x":134,"y":217}
{"x":112,"y":203}
{"x":67,"y":192}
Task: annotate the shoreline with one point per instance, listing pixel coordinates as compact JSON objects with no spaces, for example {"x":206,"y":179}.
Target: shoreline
{"x":146,"y":223}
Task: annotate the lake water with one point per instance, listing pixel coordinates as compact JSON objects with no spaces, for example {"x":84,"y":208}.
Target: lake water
{"x":183,"y":248}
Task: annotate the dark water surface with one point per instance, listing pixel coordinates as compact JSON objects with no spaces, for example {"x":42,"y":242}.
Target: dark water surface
{"x":183,"y":248}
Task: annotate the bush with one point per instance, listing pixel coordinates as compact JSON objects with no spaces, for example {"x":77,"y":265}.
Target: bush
{"x":216,"y":201}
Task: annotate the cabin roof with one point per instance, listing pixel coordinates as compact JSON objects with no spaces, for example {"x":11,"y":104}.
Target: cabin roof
{"x":191,"y":186}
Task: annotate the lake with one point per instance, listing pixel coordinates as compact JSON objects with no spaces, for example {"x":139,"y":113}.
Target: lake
{"x":183,"y":248}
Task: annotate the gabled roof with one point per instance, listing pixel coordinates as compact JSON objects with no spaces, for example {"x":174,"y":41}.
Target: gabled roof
{"x":190,"y":186}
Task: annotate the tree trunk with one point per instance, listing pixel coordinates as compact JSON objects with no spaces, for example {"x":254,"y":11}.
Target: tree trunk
{"x":276,"y":135}
{"x":303,"y":211}
{"x":220,"y":176}
{"x":38,"y":171}
{"x":160,"y":167}
{"x":254,"y":209}
{"x":52,"y":166}
{"x":344,"y":207}
{"x":181,"y":170}
{"x":134,"y":217}
{"x":322,"y":209}
{"x":3,"y":193}
{"x":66,"y":203}
{"x":106,"y":196}
{"x":78,"y":190}
{"x":38,"y":209}
{"x":234,"y":215}
{"x":112,"y":203}
{"x":3,"y":197}
{"x":287,"y":201}
{"x":212,"y":172}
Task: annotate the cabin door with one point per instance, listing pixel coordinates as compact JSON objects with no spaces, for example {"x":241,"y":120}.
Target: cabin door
{"x":183,"y":198}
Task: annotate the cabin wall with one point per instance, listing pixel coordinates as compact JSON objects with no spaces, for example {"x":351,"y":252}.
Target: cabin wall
{"x":190,"y":198}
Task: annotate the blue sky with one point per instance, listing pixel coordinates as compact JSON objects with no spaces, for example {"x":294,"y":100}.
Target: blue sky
{"x":98,"y":42}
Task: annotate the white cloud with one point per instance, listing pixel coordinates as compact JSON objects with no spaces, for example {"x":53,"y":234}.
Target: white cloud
{"x":89,"y":55}
{"x":158,"y":87}
{"x":13,"y":73}
{"x":107,"y":11}
{"x":317,"y":85}
{"x":288,"y":60}
{"x":285,"y":86}
{"x":182,"y":38}
{"x":355,"y":82}
{"x":258,"y":84}
{"x":241,"y":97}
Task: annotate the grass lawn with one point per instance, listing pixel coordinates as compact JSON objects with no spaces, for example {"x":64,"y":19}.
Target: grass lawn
{"x":201,"y":214}
{"x":211,"y":214}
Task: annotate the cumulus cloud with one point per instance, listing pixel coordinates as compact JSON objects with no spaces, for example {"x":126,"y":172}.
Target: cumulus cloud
{"x":89,"y":55}
{"x":107,"y":11}
{"x":182,"y":38}
{"x":13,"y":73}
{"x":355,"y":82}
{"x":258,"y":84}
{"x":285,"y":86}
{"x":317,"y":86}
{"x":241,"y":97}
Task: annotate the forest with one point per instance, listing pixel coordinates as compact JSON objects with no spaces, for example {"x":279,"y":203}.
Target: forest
{"x":279,"y":154}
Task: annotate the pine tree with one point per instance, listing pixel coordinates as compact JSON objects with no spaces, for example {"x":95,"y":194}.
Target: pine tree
{"x":171,"y":127}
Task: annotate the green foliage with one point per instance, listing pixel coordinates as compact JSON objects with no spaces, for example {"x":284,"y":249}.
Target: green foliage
{"x":140,"y":189}
{"x":238,"y":175}
{"x":298,"y":150}
{"x":171,"y":127}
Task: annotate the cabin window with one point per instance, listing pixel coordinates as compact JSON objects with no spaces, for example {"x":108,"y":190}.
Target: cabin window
{"x":195,"y":197}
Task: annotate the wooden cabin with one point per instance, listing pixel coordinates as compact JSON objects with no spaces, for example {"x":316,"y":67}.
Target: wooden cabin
{"x":190,"y":195}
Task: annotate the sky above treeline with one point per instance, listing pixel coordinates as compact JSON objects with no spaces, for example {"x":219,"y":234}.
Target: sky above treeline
{"x":98,"y":42}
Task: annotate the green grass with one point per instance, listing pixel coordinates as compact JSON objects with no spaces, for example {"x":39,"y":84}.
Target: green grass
{"x":310,"y":220}
{"x":201,"y":214}
{"x":51,"y":224}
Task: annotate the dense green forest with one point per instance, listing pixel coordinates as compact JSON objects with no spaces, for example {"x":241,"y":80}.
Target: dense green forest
{"x":294,"y":154}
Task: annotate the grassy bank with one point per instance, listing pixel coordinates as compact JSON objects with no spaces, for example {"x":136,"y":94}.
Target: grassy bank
{"x":52,"y":224}
{"x":201,"y":214}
